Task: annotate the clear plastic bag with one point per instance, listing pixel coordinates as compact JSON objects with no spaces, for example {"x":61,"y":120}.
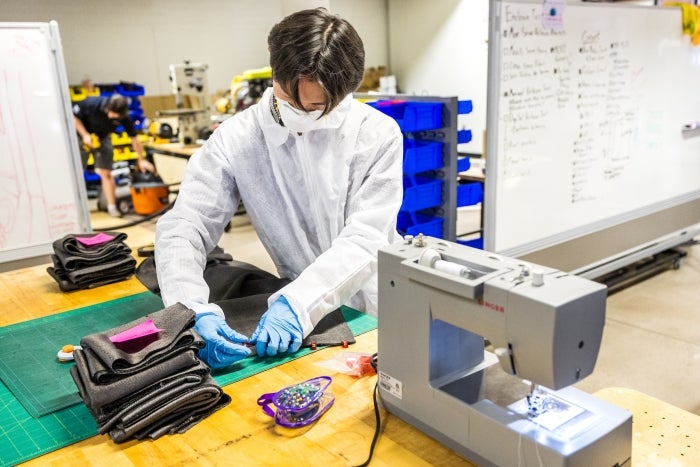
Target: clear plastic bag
{"x":350,"y":363}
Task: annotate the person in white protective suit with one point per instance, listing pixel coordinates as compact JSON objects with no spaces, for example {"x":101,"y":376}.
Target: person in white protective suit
{"x":320,"y":176}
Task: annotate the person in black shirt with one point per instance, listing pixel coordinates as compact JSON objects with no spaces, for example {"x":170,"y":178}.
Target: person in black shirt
{"x":102,"y":116}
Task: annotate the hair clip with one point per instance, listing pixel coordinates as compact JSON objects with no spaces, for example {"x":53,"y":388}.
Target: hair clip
{"x":300,"y":404}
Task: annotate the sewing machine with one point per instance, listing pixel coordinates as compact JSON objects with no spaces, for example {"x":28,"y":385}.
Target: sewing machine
{"x":438,"y":301}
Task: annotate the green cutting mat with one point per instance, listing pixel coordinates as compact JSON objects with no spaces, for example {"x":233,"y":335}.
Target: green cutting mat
{"x":28,"y":363}
{"x":23,"y":437}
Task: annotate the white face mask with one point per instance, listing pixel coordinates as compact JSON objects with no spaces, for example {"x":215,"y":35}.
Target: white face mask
{"x":297,"y":120}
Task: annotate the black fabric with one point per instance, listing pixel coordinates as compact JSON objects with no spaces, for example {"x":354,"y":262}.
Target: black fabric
{"x":97,"y":395}
{"x":146,"y":274}
{"x":106,"y":361}
{"x":72,"y":254}
{"x":242,"y":291}
{"x":149,"y":386}
{"x":243,"y":315}
{"x":66,"y":285}
{"x":119,"y":266}
{"x":190,"y":398}
{"x":77,"y":266}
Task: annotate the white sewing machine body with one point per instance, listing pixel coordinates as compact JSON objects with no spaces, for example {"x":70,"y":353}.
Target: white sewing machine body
{"x":438,"y":301}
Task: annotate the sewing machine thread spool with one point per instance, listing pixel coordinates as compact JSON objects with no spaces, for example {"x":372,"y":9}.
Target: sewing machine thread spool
{"x":432,"y":259}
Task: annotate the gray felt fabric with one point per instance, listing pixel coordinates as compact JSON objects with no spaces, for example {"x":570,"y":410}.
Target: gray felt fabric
{"x":96,"y":395}
{"x":107,"y":361}
{"x":77,"y":266}
{"x":111,"y":411}
{"x":151,"y":385}
{"x":188,"y":399}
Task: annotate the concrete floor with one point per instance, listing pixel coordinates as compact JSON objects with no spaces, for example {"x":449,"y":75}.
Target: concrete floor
{"x":651,"y":341}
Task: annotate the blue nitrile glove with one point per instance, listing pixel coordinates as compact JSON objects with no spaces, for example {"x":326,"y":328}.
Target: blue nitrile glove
{"x":221,"y":342}
{"x":279,"y":330}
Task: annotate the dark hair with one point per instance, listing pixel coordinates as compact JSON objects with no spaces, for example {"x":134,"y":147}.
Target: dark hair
{"x":315,"y":45}
{"x":117,"y":104}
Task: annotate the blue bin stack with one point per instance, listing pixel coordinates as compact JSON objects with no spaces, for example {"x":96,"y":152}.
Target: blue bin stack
{"x":423,"y":189}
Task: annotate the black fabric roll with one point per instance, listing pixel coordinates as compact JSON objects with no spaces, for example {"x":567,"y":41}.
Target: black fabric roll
{"x":186,"y":399}
{"x":75,"y":263}
{"x":120,"y":267}
{"x":97,"y":396}
{"x":69,"y":248}
{"x":150,"y":385}
{"x":77,"y":266}
{"x":106,"y":360}
{"x":66,"y":285}
{"x":183,"y":420}
{"x":108,"y":415}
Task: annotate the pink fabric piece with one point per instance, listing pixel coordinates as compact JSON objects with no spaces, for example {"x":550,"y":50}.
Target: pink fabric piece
{"x":98,"y":239}
{"x":146,"y":328}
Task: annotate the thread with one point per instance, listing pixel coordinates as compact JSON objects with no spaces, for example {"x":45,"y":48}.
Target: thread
{"x":451,"y":268}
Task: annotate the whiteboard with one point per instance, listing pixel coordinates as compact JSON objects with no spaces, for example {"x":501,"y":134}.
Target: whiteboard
{"x":586,"y":109}
{"x":42,"y":192}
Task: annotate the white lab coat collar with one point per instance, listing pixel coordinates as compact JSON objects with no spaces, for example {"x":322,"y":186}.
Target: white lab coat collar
{"x":276,"y":135}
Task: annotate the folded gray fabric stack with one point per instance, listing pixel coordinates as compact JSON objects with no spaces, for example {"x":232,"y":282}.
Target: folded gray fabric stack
{"x":150,"y":385}
{"x":80,"y":264}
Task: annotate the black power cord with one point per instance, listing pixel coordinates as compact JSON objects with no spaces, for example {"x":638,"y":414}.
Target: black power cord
{"x":159,"y":212}
{"x":377,"y":418}
{"x":143,"y":219}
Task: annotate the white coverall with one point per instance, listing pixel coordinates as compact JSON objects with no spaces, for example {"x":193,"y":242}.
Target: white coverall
{"x":322,"y":203}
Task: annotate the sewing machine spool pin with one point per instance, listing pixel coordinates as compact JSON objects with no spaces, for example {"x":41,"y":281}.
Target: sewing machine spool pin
{"x":432,"y":259}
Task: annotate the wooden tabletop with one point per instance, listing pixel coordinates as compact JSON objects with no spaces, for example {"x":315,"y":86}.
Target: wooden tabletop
{"x":241,"y":434}
{"x":184,"y":151}
{"x":662,"y":434}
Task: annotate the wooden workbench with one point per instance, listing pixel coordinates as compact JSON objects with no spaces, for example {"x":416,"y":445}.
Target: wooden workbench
{"x":183,"y":151}
{"x":241,"y":434}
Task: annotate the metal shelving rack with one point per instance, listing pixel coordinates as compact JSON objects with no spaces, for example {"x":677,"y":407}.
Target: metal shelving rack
{"x":447,"y":134}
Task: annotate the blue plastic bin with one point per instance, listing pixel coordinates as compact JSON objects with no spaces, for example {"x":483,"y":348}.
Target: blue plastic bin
{"x":465,"y":107}
{"x":130,"y":89}
{"x":412,"y":116}
{"x":463,"y":164}
{"x":421,"y":156}
{"x":421,"y":193}
{"x":469,"y":193}
{"x":91,"y":177}
{"x":464,"y":136}
{"x":409,"y":223}
{"x":474,"y":243}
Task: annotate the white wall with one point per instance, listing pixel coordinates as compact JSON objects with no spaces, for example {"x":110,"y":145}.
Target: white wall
{"x":136,"y":40}
{"x":369,"y":17}
{"x":433,"y":47}
{"x":441,"y":48}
